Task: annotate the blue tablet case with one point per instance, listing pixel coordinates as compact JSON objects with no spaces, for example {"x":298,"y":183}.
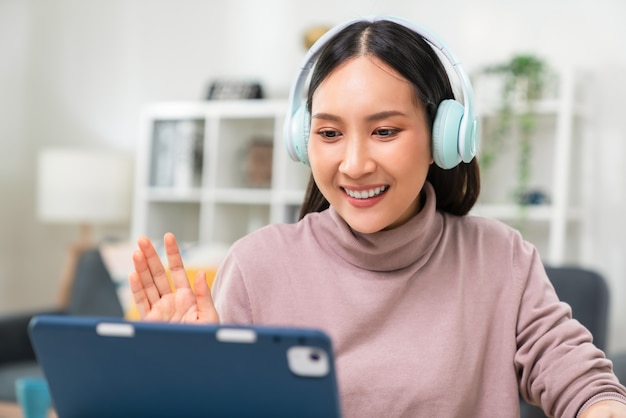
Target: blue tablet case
{"x":103,"y":367}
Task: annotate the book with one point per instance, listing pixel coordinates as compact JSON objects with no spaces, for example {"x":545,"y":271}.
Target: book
{"x":177,"y":153}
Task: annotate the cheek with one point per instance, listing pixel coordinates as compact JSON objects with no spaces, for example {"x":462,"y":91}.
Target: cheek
{"x":319,"y":163}
{"x":409,"y":157}
{"x":426,"y":151}
{"x":322,"y":156}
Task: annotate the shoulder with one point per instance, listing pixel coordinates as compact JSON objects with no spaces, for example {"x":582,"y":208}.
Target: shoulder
{"x":474,"y":226}
{"x":492,"y":243}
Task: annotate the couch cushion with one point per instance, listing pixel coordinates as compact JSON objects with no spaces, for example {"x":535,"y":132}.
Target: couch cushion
{"x":619,"y":366}
{"x":93,"y":291}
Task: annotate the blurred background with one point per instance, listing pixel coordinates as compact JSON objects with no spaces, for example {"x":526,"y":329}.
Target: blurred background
{"x":77,"y":73}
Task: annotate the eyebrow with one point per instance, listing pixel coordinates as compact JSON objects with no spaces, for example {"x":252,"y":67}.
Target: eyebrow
{"x":371,"y":118}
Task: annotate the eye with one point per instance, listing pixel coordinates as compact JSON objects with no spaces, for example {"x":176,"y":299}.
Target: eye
{"x":329,"y":134}
{"x":386,"y":133}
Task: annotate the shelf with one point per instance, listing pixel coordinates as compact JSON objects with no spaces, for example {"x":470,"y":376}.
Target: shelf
{"x":170,"y":194}
{"x":556,"y":169}
{"x":547,"y":107}
{"x":221,"y":197}
{"x":243,"y":196}
{"x":511,"y":212}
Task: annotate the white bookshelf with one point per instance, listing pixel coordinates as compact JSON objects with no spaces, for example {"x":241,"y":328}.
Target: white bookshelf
{"x":557,"y":167}
{"x":219,"y":205}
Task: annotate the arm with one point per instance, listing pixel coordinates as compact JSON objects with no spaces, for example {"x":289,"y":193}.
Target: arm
{"x":605,"y":409}
{"x":153,"y":294}
{"x":559,"y":367}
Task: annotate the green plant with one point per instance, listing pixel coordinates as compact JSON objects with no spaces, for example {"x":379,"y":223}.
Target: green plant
{"x":524,"y":78}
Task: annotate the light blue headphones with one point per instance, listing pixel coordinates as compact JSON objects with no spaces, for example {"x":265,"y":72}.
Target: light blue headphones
{"x":455,"y":129}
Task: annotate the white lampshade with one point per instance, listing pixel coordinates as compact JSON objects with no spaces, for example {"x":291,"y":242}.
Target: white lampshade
{"x":84,"y":186}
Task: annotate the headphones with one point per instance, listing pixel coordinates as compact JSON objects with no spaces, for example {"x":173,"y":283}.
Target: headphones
{"x":455,"y":129}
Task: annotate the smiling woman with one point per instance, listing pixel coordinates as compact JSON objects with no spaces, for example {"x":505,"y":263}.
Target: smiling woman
{"x":431,"y":312}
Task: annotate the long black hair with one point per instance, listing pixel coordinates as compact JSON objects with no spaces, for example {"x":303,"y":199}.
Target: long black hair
{"x":413,"y":58}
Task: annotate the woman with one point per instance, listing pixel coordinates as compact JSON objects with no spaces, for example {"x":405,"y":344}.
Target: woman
{"x":431,"y":312}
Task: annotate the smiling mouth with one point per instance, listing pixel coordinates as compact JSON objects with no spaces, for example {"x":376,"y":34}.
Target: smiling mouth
{"x":366,"y":194}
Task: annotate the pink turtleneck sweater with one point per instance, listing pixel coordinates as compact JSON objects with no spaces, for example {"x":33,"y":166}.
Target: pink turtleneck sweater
{"x":445,"y":316}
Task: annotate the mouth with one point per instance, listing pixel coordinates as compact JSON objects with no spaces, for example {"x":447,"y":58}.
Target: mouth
{"x":367,"y":193}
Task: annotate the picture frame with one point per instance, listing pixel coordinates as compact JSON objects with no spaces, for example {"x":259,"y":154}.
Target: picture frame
{"x":234,"y":90}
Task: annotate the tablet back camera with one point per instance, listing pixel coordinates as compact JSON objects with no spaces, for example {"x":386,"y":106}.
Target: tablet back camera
{"x":308,"y":361}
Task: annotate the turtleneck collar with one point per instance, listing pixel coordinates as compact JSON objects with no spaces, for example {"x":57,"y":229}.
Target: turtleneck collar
{"x":387,"y":250}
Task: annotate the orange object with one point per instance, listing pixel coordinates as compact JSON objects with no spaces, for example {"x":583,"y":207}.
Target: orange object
{"x":192,"y":272}
{"x":133,"y":313}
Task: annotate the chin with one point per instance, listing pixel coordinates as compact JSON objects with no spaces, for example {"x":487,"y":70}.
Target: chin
{"x":364,"y":227}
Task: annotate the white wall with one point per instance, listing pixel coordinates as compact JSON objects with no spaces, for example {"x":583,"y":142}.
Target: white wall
{"x":77,"y":72}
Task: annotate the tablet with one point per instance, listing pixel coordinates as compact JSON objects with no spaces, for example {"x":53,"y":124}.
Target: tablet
{"x":103,"y":367}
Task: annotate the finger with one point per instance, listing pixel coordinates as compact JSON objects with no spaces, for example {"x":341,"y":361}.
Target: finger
{"x":206,"y":308}
{"x":146,"y":280}
{"x":155,"y":267}
{"x":175,"y":262}
{"x":139,"y":294}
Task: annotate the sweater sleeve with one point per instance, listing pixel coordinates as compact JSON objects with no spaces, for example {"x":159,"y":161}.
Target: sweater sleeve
{"x":230,"y":293}
{"x":559,"y":367}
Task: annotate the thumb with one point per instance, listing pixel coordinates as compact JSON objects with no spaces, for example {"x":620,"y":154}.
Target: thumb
{"x":206,"y":308}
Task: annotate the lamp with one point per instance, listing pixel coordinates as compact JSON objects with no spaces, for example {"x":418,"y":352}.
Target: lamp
{"x":84,"y":187}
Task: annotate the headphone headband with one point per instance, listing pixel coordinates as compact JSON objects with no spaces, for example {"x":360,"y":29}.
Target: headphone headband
{"x":467,"y":130}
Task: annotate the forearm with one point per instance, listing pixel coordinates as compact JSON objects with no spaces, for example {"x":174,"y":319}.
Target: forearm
{"x":560,"y":367}
{"x":604,"y":405}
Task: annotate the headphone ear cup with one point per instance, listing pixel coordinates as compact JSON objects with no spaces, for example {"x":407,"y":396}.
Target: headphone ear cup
{"x":446,"y":134}
{"x":300,"y":134}
{"x":300,"y":130}
{"x":469,"y":140}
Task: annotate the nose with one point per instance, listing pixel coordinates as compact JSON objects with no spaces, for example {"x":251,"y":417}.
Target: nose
{"x":357,"y":157}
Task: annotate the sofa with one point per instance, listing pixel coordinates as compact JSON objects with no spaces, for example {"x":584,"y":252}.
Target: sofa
{"x":92,"y":293}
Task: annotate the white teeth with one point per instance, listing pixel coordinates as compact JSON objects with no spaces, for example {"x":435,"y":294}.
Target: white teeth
{"x":365,"y":193}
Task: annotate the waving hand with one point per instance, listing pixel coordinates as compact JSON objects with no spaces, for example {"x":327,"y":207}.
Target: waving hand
{"x":155,"y":299}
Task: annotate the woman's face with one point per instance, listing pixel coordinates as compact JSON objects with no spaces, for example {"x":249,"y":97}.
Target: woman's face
{"x":369,"y":145}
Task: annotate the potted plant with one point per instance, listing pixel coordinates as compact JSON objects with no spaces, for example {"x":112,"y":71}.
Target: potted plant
{"x":523,"y":79}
